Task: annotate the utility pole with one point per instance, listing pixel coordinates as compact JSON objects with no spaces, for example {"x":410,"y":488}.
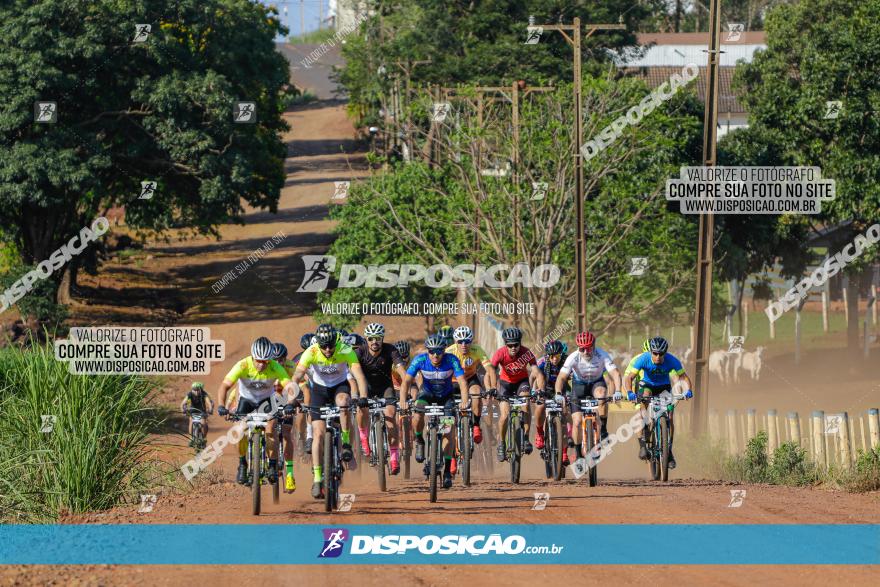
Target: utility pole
{"x":703,"y":316}
{"x":580,"y":257}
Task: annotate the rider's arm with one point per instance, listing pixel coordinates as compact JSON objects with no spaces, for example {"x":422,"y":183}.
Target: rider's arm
{"x":299,"y":377}
{"x":223,"y":390}
{"x":562,"y":376}
{"x":358,"y":373}
{"x":491,"y":376}
{"x":210,"y":402}
{"x":539,"y":377}
{"x":183,"y":403}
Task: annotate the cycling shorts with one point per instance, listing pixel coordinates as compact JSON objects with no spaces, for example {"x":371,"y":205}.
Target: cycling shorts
{"x":654,"y":389}
{"x":507,"y":390}
{"x":246,"y":406}
{"x":326,"y":396}
{"x":583,"y":390}
{"x":471,"y":381}
{"x":381,"y":390}
{"x":448,"y":402}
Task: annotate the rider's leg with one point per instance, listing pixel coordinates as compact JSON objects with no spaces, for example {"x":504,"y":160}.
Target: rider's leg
{"x":601,"y":392}
{"x":391,"y":428}
{"x":539,"y":427}
{"x":318,"y":428}
{"x":363,"y":415}
{"x":476,"y":407}
{"x":342,"y":401}
{"x":504,"y":410}
{"x":576,"y":419}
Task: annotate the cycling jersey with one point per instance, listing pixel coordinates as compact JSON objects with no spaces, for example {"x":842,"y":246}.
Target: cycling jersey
{"x":550,"y":371}
{"x":197,"y":400}
{"x":652,"y":374}
{"x":586,"y":370}
{"x":514,"y":368}
{"x":436,"y":381}
{"x":256,"y":385}
{"x":378,"y":368}
{"x":471,"y":360}
{"x":328,"y":371}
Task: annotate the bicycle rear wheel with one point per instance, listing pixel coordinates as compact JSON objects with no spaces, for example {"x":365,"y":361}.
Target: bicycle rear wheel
{"x":329,"y":473}
{"x":663,"y":424}
{"x":433,"y":455}
{"x":379,"y":451}
{"x":256,"y":466}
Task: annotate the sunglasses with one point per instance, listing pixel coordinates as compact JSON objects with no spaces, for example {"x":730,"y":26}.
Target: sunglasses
{"x":556,"y":356}
{"x":657,"y":354}
{"x":327,"y":346}
{"x":436,"y":351}
{"x":586,"y":348}
{"x":375,"y":339}
{"x":468,"y":341}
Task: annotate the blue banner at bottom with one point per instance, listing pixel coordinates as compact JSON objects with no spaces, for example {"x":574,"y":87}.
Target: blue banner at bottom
{"x":645,"y":544}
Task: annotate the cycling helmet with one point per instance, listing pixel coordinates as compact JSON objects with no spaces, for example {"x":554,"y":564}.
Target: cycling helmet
{"x":554,"y":347}
{"x":354,"y":340}
{"x":197,"y":386}
{"x":658,"y":344}
{"x":564,"y":348}
{"x":342,"y":332}
{"x":279,"y":351}
{"x":647,"y":346}
{"x":305,"y":340}
{"x":325,"y":334}
{"x":585,"y":340}
{"x":374,"y":330}
{"x":402,"y":348}
{"x":434,"y":342}
{"x":463,"y":333}
{"x":261,"y":350}
{"x":511,"y":335}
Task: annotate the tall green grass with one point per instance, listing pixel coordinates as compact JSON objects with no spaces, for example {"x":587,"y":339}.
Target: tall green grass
{"x":97,"y":454}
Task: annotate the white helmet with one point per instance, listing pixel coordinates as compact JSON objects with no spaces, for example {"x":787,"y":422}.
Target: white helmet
{"x":374,"y":330}
{"x":463,"y":333}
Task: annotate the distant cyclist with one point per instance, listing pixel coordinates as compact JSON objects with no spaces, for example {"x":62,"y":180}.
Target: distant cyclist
{"x":587,"y":368}
{"x":550,"y":365}
{"x":437,"y":369}
{"x":655,"y":368}
{"x":471,"y":357}
{"x":256,"y":376}
{"x":518,"y":365}
{"x":328,"y":363}
{"x":379,"y":360}
{"x":197,"y":399}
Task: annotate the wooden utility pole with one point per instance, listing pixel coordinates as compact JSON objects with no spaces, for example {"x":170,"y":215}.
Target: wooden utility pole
{"x":580,"y":257}
{"x":703,"y":316}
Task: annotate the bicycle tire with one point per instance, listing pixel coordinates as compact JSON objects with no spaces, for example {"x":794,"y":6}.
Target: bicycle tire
{"x":557,"y":438}
{"x":465,"y":464}
{"x":664,"y":448}
{"x":279,"y":462}
{"x":329,"y":473}
{"x":589,"y":441}
{"x":256,"y":465}
{"x":514,"y":433}
{"x":653,"y":459}
{"x":406,"y":445}
{"x":433,"y":450}
{"x":379,"y":452}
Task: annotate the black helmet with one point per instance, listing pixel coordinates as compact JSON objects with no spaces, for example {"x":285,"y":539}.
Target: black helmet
{"x":513,"y":334}
{"x":261,"y":350}
{"x":434,"y":342}
{"x":279,"y":351}
{"x":554,"y":347}
{"x":305,"y":340}
{"x":402,"y":348}
{"x":325,"y":334}
{"x":658,"y":344}
{"x":447,"y":335}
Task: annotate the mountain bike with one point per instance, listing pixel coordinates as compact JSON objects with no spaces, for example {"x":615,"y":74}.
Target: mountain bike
{"x":554,"y":438}
{"x":660,"y":409}
{"x":437,"y":425}
{"x":332,"y":461}
{"x":197,"y":429}
{"x":404,"y":424}
{"x":257,"y":455}
{"x":590,"y":437}
{"x":486,"y":453}
{"x":378,"y":440}
{"x":516,"y":432}
{"x":464,"y":436}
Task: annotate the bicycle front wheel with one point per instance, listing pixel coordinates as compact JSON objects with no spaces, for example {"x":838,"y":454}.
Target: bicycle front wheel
{"x":379,"y":451}
{"x":515,"y":434}
{"x":433,"y":456}
{"x":663,"y":426}
{"x":466,"y":445}
{"x":256,"y":470}
{"x":329,"y":473}
{"x":589,"y":433}
{"x":557,"y":439}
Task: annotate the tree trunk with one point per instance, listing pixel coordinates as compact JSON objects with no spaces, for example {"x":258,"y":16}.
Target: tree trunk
{"x":68,"y":283}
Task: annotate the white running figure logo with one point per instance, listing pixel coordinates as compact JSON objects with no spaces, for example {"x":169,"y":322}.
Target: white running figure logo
{"x":335,"y":542}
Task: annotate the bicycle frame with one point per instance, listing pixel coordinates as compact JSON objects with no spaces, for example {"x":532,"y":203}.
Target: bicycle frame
{"x":553,"y":444}
{"x":660,"y":410}
{"x":516,"y":436}
{"x":590,"y":436}
{"x":332,"y":462}
{"x":379,"y":447}
{"x":434,"y":415}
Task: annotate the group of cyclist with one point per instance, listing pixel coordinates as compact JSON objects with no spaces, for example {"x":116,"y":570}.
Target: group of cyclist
{"x":336,"y":368}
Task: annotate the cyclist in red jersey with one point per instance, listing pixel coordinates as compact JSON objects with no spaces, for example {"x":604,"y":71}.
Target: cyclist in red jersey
{"x":517,"y":363}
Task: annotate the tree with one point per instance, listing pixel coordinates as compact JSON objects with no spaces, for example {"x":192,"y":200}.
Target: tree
{"x":821,"y":51}
{"x":159,"y":110}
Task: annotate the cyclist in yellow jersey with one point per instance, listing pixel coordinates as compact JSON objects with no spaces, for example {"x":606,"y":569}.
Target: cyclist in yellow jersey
{"x":471,"y":356}
{"x":256,"y":377}
{"x":328,"y":363}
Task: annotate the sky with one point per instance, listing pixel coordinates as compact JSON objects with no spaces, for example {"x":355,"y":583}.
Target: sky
{"x":310,"y":13}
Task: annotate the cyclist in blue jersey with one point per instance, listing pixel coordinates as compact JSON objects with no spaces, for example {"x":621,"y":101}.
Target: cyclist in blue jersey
{"x":437,"y":370}
{"x":550,"y":365}
{"x":658,"y":370}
